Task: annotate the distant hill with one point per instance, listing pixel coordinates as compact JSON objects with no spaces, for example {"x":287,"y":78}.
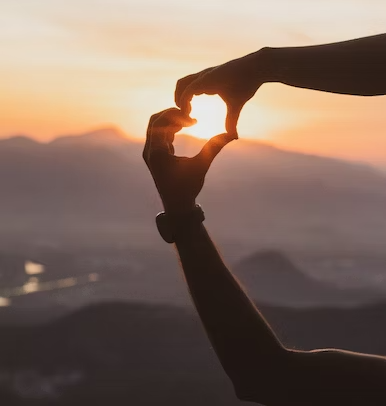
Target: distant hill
{"x":94,"y":188}
{"x":271,"y":278}
{"x":18,"y":141}
{"x":125,"y":353}
{"x":153,"y":276}
{"x":105,"y":136}
{"x":85,"y":205}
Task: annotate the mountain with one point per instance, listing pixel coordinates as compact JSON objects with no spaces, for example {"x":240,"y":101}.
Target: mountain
{"x":271,"y":278}
{"x":130,"y":353}
{"x":72,"y":188}
{"x":79,"y":277}
{"x":304,"y":234}
{"x":18,"y":141}
{"x":120,"y":353}
{"x":291,"y":201}
{"x":95,"y":189}
{"x":103,"y":136}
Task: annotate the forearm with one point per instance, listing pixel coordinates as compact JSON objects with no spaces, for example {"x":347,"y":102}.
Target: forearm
{"x":240,"y":336}
{"x":356,"y":67}
{"x":337,"y":377}
{"x":261,"y":369}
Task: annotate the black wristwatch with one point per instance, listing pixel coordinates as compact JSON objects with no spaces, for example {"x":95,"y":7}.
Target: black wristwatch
{"x":171,"y":227}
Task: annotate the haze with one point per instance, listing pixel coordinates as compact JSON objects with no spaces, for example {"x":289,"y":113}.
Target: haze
{"x":71,"y":66}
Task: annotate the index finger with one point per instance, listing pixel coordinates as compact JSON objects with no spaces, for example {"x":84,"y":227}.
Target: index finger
{"x":186,"y":88}
{"x":149,"y":135}
{"x":181,"y":86}
{"x":162,"y":127}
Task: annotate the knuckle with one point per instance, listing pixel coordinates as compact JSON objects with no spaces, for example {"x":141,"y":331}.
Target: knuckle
{"x":186,"y":81}
{"x":179,"y":83}
{"x":188,"y":78}
{"x":151,"y":121}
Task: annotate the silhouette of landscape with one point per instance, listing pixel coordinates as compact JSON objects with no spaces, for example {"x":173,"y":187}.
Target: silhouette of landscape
{"x":103,"y":311}
{"x":59,"y":192}
{"x":113,"y":351}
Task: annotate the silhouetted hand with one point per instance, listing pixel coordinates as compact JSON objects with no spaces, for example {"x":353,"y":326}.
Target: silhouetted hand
{"x":178,"y":179}
{"x":235,"y":82}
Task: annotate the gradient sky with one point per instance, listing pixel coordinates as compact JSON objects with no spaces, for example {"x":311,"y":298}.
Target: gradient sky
{"x":76,"y":65}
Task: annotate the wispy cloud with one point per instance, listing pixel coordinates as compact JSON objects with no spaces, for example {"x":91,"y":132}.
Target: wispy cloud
{"x":83,"y":62}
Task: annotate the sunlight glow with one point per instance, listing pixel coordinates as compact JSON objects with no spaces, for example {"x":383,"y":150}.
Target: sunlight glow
{"x":68,"y":67}
{"x":210,"y":113}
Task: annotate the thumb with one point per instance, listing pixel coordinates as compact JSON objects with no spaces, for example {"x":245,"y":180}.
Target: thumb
{"x":210,"y":150}
{"x":233,"y":114}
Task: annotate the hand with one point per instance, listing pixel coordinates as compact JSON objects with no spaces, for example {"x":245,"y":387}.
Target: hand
{"x":235,"y":82}
{"x":178,"y":179}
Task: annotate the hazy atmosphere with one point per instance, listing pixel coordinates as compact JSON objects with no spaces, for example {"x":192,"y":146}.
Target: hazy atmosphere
{"x":94,"y":305}
{"x":71,"y":67}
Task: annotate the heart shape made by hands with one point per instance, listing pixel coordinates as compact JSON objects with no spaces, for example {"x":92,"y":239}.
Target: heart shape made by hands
{"x":210,"y":113}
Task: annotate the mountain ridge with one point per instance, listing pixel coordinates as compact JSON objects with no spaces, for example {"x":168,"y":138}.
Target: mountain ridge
{"x":272,"y":278}
{"x":113,"y":352}
{"x":103,"y":190}
{"x":114,"y":133}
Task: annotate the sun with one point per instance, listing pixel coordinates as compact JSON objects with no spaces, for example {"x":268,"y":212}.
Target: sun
{"x":210,"y":113}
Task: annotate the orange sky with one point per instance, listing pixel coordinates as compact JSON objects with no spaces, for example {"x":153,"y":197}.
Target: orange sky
{"x":71,"y":66}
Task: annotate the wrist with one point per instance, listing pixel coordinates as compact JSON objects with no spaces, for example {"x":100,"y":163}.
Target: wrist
{"x":265,"y":66}
{"x":177,"y":225}
{"x":178,"y":209}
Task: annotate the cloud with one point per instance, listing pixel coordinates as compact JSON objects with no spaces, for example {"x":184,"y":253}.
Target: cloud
{"x":121,"y":58}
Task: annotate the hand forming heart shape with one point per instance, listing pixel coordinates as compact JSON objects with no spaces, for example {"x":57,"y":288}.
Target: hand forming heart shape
{"x":178,"y":179}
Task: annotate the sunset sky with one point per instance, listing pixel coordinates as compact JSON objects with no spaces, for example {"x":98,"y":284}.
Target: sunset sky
{"x":76,"y":65}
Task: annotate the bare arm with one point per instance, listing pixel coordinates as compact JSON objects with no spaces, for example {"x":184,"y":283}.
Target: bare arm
{"x":356,"y":67}
{"x":260,"y":368}
{"x":243,"y":341}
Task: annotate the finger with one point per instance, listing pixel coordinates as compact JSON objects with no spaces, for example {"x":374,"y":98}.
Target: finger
{"x":161,"y":135}
{"x":184,"y":83}
{"x":185,"y":101}
{"x":181,"y":85}
{"x":196,"y":88}
{"x":210,"y":150}
{"x":165,"y":126}
{"x":233,"y":114}
{"x":146,"y":149}
{"x":173,"y":117}
{"x":162,"y":132}
{"x":161,"y":140}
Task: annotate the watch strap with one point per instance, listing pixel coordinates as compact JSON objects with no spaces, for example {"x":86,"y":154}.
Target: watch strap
{"x":170,"y":227}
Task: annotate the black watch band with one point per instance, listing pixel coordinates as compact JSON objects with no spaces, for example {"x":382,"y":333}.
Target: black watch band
{"x":171,"y":227}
